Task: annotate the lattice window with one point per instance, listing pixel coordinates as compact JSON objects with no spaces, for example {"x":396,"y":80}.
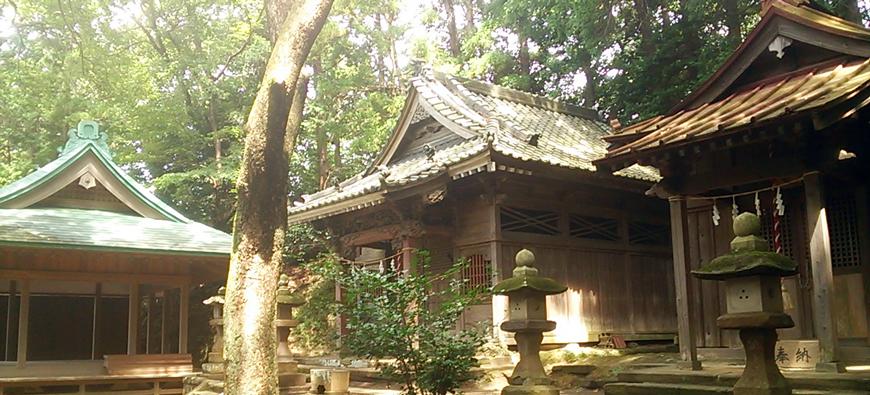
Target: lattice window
{"x":649,"y":234}
{"x":529,"y":221}
{"x":583,"y":227}
{"x":843,"y":229}
{"x":478,"y":272}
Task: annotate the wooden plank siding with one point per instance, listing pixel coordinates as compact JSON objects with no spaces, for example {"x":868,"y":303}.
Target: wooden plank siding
{"x":608,"y":292}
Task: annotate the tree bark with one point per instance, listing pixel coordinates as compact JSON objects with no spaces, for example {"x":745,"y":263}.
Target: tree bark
{"x":297,"y":109}
{"x":322,"y":158}
{"x":644,"y":21}
{"x":455,"y":48}
{"x":732,"y":21}
{"x":848,"y":9}
{"x":590,"y":91}
{"x":261,"y":217}
{"x":276,"y":12}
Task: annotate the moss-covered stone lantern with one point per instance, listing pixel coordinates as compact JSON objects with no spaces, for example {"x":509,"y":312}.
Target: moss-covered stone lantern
{"x":754,"y":303}
{"x":527,"y":319}
{"x":214,"y":364}
{"x":288,"y":376}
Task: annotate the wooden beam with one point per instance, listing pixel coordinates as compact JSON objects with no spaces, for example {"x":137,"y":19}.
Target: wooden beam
{"x":183,"y":313}
{"x":91,"y":277}
{"x":23,"y":318}
{"x":685,"y":301}
{"x":824,"y":322}
{"x":133,"y":320}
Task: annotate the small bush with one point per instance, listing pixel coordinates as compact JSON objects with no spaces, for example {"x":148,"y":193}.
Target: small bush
{"x":411,"y":322}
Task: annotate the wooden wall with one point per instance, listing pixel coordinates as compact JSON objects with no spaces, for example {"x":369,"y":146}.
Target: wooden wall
{"x":615,"y":286}
{"x":61,"y":264}
{"x":608,"y":292}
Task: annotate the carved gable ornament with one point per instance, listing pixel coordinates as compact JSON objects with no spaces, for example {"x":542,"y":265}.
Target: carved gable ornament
{"x":86,"y":132}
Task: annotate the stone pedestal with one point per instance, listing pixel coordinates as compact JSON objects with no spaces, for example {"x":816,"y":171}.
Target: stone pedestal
{"x":330,"y":381}
{"x":290,"y":381}
{"x":761,"y":376}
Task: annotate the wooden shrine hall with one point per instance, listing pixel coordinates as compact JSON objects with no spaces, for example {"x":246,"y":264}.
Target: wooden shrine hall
{"x":780,"y":128}
{"x":95,"y":277}
{"x":477,"y":171}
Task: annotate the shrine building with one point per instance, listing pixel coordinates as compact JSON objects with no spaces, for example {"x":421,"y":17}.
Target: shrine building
{"x":779,"y":129}
{"x":95,"y":277}
{"x":478,"y":171}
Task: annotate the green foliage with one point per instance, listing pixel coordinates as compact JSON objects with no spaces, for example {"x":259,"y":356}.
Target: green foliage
{"x":171,"y":82}
{"x":411,"y":319}
{"x":317,"y":331}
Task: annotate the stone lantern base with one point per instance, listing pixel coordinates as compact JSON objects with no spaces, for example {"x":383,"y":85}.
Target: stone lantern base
{"x":289,"y":378}
{"x":530,"y":390}
{"x":761,"y":376}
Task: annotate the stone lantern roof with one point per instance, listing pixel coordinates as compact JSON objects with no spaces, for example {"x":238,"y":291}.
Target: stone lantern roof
{"x":285,"y":296}
{"x":525,"y":277}
{"x":750,"y":255}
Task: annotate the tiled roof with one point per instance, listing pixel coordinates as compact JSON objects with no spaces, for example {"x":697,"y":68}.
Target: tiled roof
{"x":104,"y":230}
{"x":489,"y":119}
{"x":791,"y":95}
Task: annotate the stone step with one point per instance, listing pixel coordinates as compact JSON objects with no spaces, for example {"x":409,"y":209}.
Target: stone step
{"x":693,"y":389}
{"x":797,"y":380}
{"x":664,"y":388}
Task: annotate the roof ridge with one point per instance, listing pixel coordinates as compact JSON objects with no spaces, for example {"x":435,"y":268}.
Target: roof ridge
{"x":522,"y":97}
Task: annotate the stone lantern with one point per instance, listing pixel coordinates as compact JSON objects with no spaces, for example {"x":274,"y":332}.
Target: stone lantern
{"x":214,"y":365}
{"x":527,"y":319}
{"x":754,"y":303}
{"x":288,"y":376}
{"x":211,"y":380}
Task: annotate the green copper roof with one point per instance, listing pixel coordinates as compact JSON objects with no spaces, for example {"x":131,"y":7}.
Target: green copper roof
{"x":87,"y":139}
{"x":104,"y":230}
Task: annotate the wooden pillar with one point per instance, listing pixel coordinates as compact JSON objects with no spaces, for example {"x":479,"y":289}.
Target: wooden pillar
{"x":97,"y":336}
{"x":133,"y":320}
{"x":164,"y":302}
{"x":824,"y":321}
{"x":10,"y":312}
{"x":23,"y":318}
{"x":149,"y":312}
{"x":682,"y":268}
{"x":409,"y":254}
{"x":183,"y":306}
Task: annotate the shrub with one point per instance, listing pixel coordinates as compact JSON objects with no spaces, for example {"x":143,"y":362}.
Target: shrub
{"x":412,"y":321}
{"x":316,"y":332}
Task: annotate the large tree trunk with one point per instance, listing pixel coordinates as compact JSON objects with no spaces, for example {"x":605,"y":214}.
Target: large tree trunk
{"x":849,"y":10}
{"x":261,"y":218}
{"x":452,"y":31}
{"x":733,"y":19}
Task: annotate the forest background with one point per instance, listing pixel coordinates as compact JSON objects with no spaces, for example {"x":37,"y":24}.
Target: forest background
{"x":172,"y":80}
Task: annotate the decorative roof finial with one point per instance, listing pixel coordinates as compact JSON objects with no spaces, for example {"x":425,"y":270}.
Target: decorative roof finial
{"x":87,"y":132}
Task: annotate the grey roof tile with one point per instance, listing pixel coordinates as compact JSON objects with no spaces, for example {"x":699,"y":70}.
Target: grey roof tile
{"x":564,"y":138}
